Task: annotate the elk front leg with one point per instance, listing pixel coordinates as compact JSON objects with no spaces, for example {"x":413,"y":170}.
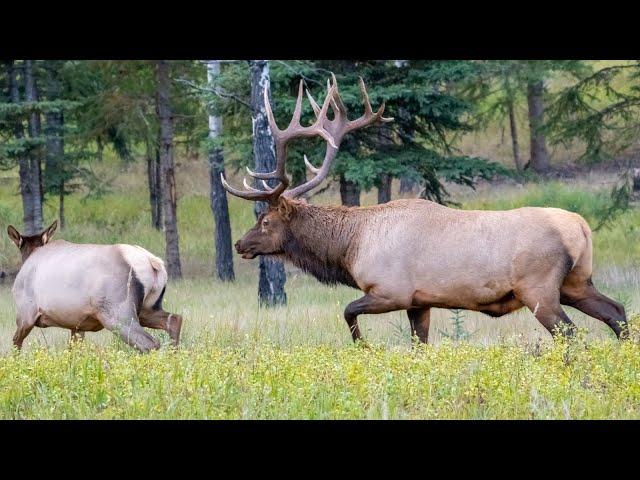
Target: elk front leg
{"x":419,"y":319}
{"x":159,"y":319}
{"x":370,"y":303}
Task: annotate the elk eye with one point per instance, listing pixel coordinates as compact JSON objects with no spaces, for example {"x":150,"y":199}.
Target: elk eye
{"x":265,"y":223}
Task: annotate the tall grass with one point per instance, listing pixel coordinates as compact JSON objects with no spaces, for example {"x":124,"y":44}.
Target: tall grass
{"x":237,"y":360}
{"x":257,"y":380}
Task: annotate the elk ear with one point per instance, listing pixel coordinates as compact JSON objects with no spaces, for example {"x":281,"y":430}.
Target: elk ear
{"x":48,"y":233}
{"x":285,"y":208}
{"x":15,"y":236}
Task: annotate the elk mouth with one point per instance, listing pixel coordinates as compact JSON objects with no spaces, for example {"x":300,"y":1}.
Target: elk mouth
{"x":244,"y":251}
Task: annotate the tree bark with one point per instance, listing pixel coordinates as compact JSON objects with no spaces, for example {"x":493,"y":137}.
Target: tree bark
{"x":384,"y":190}
{"x":100,"y":146}
{"x":34,"y":177}
{"x":539,"y":157}
{"x":349,"y":193}
{"x":272,"y":275}
{"x":159,"y":190}
{"x":153,"y":182}
{"x":23,"y":160}
{"x":636,"y":179}
{"x":384,"y":185}
{"x":169,"y":194}
{"x":407,"y":184}
{"x":218,"y":195}
{"x":514,"y":136}
{"x":54,"y":172}
{"x":62,"y":221}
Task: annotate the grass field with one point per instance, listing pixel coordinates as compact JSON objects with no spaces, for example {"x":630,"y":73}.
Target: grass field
{"x":239,"y":361}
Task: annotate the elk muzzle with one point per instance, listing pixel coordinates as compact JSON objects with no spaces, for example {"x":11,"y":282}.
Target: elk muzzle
{"x":245,"y":250}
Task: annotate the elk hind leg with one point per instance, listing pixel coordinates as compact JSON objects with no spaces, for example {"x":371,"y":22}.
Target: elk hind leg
{"x":23,"y":329}
{"x":26,"y":319}
{"x":125,"y":324}
{"x":159,"y":319}
{"x":419,"y":319}
{"x":544,"y":303}
{"x":589,"y":300}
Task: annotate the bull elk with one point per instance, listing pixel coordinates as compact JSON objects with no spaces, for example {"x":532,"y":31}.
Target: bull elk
{"x":415,"y":254}
{"x":86,"y":287}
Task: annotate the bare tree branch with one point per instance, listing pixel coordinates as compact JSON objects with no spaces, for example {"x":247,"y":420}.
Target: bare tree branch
{"x":216,"y":91}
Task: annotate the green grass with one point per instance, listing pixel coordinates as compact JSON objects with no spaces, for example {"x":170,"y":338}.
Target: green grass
{"x":258,"y":380}
{"x":237,"y":360}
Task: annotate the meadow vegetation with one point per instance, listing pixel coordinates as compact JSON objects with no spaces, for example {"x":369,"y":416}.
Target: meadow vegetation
{"x":240,"y":361}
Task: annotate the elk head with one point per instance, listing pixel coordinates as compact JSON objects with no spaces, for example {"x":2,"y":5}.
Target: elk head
{"x":272,"y":228}
{"x":27,"y":244}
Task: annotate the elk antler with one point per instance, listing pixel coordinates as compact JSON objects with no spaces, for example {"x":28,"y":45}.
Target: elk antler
{"x":338,"y":128}
{"x":282,"y":139}
{"x":331,"y":130}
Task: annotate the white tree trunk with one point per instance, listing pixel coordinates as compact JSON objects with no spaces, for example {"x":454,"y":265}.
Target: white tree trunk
{"x":272,"y":275}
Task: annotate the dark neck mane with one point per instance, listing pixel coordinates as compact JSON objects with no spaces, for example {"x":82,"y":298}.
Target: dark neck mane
{"x":321,"y":242}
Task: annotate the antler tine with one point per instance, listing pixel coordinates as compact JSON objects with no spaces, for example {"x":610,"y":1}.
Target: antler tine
{"x":368,"y":117}
{"x":335,"y":95}
{"x":321,"y":174}
{"x":267,"y":106}
{"x":314,"y":105}
{"x":365,"y":98}
{"x":253,"y":193}
{"x":380,"y":112}
{"x":318,"y":125}
{"x":266,"y":186}
{"x":252,"y":189}
{"x":297,"y":111}
{"x":260,"y":175}
{"x":310,"y":166}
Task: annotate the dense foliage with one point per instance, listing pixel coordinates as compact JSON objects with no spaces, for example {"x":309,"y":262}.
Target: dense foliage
{"x":417,"y":94}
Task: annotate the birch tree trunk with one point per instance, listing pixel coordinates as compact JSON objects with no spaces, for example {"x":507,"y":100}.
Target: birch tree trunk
{"x":272,"y":275}
{"x":169,"y":195}
{"x":34,"y":223}
{"x":218,"y":195}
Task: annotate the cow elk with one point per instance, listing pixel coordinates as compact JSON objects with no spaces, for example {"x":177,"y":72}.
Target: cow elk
{"x":86,"y":287}
{"x":415,"y":254}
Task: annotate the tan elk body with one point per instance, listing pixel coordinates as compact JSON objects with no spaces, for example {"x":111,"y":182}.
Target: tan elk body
{"x":415,"y":254}
{"x":87,"y":287}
